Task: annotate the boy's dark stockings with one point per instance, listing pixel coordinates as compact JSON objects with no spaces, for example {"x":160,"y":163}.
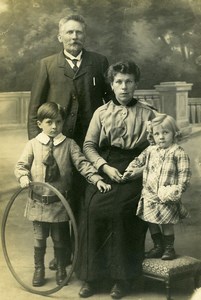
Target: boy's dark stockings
{"x":39,"y":273}
{"x":61,"y":264}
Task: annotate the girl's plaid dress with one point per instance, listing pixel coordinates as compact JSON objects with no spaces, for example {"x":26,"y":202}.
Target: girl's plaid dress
{"x":163,"y":167}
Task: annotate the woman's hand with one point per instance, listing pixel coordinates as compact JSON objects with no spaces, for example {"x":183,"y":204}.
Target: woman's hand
{"x":113,"y":173}
{"x":103,"y":187}
{"x":24,"y":181}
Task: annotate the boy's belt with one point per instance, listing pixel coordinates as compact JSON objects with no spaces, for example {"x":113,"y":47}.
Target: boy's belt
{"x":44,"y":198}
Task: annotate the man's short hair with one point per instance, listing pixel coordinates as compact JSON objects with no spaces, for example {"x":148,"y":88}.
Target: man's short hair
{"x":77,"y":18}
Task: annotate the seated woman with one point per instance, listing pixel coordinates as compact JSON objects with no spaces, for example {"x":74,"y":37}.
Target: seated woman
{"x":111,"y":236}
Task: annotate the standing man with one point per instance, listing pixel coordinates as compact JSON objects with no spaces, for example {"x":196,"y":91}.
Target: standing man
{"x":73,"y":78}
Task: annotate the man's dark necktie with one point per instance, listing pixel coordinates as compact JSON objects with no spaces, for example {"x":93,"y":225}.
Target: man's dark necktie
{"x":75,"y":67}
{"x":74,"y":61}
{"x":52,"y":170}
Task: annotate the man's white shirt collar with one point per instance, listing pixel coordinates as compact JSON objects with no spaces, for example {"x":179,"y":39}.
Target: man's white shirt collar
{"x":78,"y":57}
{"x":44,"y":138}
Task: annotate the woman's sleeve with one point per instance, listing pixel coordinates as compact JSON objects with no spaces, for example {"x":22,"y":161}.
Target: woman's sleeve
{"x":23,"y":166}
{"x":91,"y":143}
{"x":84,"y":167}
{"x":183,"y":167}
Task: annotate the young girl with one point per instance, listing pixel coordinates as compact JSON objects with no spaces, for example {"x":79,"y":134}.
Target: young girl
{"x":49,"y":157}
{"x":166,"y":175}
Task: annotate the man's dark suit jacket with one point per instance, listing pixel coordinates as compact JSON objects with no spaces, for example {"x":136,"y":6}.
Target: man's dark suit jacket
{"x":79,"y":93}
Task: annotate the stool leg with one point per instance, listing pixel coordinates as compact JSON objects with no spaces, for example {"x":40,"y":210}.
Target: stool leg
{"x":196,"y":280}
{"x":167,"y":285}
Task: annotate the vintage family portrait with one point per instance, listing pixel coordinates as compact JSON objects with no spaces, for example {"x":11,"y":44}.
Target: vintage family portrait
{"x":100,"y":137}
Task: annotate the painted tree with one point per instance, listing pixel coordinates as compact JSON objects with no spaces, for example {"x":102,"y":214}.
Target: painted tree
{"x":163,"y":37}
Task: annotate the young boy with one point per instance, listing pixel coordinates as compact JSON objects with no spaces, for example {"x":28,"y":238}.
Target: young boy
{"x":50,"y":157}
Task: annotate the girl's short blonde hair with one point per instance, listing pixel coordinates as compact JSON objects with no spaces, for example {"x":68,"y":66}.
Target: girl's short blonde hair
{"x":166,"y":121}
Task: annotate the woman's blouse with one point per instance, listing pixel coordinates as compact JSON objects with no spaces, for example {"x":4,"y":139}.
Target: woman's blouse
{"x":117,"y":126}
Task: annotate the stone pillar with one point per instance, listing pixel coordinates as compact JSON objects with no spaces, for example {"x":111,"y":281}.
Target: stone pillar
{"x":174,"y":102}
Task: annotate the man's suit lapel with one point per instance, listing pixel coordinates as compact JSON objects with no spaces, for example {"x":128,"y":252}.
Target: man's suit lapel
{"x":85,"y":64}
{"x":83,"y":69}
{"x":62,"y":63}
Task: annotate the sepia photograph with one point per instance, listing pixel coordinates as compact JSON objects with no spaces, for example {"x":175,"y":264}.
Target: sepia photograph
{"x":100,"y":149}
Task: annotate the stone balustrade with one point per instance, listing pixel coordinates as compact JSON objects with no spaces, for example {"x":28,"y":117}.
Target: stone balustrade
{"x":194,"y":105}
{"x":168,"y":97}
{"x":151,"y":97}
{"x":13,"y":109}
{"x":174,"y":101}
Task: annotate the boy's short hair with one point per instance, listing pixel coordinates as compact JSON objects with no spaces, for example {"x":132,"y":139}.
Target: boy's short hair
{"x":50,"y":110}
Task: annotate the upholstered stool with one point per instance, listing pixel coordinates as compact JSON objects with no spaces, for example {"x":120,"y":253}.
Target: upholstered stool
{"x":172,"y":270}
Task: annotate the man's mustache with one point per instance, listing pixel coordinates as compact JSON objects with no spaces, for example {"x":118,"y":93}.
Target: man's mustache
{"x":76,"y":43}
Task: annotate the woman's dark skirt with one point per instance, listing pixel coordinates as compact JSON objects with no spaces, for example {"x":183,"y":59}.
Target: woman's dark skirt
{"x":111,"y":236}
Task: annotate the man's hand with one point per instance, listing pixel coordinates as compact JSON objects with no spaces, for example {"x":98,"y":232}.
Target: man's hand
{"x":103,"y":187}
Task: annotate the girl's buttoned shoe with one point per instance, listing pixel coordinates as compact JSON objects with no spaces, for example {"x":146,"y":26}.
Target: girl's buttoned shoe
{"x":169,"y":252}
{"x":158,"y":249}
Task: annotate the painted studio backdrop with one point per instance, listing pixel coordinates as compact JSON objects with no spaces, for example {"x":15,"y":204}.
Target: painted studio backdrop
{"x":164,"y":38}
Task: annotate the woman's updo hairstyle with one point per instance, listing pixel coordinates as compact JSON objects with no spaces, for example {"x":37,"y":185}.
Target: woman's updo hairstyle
{"x":124,"y":67}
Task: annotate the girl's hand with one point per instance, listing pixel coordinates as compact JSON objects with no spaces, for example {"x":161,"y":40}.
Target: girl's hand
{"x":103,"y":187}
{"x":24,"y":181}
{"x":132,"y":174}
{"x":113,"y":173}
{"x":169,"y":193}
{"x":127,"y":175}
